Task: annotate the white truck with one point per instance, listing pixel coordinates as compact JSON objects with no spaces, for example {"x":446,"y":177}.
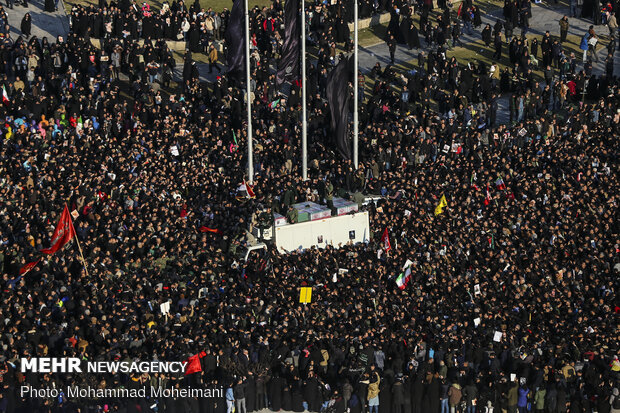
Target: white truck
{"x":332,"y":231}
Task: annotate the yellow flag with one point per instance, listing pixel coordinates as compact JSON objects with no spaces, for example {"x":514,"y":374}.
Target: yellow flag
{"x":305,"y":295}
{"x":442,"y":203}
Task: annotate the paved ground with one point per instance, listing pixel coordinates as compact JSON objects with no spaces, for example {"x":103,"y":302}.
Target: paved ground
{"x":50,"y":25}
{"x":543,"y":18}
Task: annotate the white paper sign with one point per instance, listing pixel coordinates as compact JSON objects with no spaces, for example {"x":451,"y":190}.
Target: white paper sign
{"x":497,"y":337}
{"x":477,"y":289}
{"x":165,"y":307}
{"x":477,"y":321}
{"x":174,"y":150}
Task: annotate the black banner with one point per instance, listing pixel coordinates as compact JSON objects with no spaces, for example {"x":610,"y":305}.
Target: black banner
{"x":288,"y":66}
{"x":338,"y":97}
{"x":235,"y":39}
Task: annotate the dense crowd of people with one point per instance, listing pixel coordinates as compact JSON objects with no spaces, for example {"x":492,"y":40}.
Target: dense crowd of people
{"x":512,"y":304}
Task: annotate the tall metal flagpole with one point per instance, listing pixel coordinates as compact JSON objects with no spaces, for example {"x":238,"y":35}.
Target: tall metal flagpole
{"x":355,"y":87}
{"x":248,"y":98}
{"x":304,"y":125}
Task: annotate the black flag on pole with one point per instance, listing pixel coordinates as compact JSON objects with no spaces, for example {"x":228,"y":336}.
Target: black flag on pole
{"x":235,"y":39}
{"x":288,"y":66}
{"x":338,"y":97}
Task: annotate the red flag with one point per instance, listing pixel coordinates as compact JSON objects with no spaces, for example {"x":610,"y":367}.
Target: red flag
{"x":487,"y":198}
{"x":184,"y":211}
{"x":385,"y":239}
{"x":28,"y":267}
{"x":207,"y":229}
{"x":193,"y":363}
{"x":64,"y":233}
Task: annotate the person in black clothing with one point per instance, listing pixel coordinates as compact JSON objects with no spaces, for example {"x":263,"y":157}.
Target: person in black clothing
{"x":26,"y":25}
{"x":410,"y":33}
{"x":508,"y":28}
{"x":392,"y":47}
{"x":497,"y":43}
{"x":239,"y":392}
{"x":486,"y":35}
{"x":394,"y":24}
{"x":398,"y":396}
{"x":276,"y":385}
{"x":546,"y":47}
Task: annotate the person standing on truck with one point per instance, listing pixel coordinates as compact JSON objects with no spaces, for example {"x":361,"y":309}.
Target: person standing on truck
{"x":292,"y":216}
{"x":265,"y":219}
{"x":329,"y":195}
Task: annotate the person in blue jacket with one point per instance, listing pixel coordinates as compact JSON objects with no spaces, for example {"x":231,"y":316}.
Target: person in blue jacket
{"x":230,"y":400}
{"x":522,"y":400}
{"x":584,"y":46}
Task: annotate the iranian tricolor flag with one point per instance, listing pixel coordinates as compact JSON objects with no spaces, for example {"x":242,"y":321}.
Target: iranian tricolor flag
{"x":5,"y":96}
{"x":248,"y":190}
{"x":403,"y":278}
{"x":500,"y":184}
